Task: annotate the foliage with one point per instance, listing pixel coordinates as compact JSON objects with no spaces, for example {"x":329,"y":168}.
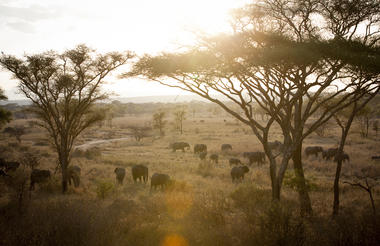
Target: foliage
{"x":282,"y":60}
{"x":16,"y":132}
{"x":290,"y":181}
{"x":93,"y":153}
{"x":104,"y":188}
{"x":63,"y":89}
{"x":179,"y":117}
{"x":5,"y":116}
{"x":140,"y":132}
{"x":159,"y":122}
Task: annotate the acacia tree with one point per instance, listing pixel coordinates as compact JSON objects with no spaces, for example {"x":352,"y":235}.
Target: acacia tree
{"x":5,"y":115}
{"x":344,"y":119}
{"x":159,"y":121}
{"x":179,"y":117}
{"x":63,"y":89}
{"x":16,"y":132}
{"x":281,"y":59}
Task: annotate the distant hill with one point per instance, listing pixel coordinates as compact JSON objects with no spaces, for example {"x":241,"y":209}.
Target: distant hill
{"x":19,"y":102}
{"x":162,"y":99}
{"x":145,"y":99}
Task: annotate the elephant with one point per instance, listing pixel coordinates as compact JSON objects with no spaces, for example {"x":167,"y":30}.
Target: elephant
{"x":199,"y":148}
{"x":313,"y":150}
{"x":214,"y":158}
{"x":73,"y":173}
{"x":120,"y":174}
{"x":202,"y":155}
{"x":343,"y":157}
{"x":140,"y":172}
{"x":237,"y":173}
{"x":234,"y":161}
{"x":11,"y":166}
{"x":179,"y":145}
{"x":330,"y":153}
{"x":226,"y":147}
{"x":38,"y":176}
{"x":159,"y":179}
{"x":257,"y":156}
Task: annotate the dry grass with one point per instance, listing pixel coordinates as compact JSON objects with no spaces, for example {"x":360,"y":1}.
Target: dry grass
{"x":202,"y":206}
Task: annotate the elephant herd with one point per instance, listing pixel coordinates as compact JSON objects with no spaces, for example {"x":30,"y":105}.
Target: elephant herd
{"x":140,"y":173}
{"x":237,"y":172}
{"x":159,"y":180}
{"x":329,"y":154}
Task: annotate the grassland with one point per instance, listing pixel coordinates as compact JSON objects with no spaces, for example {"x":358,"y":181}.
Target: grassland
{"x":202,"y":207}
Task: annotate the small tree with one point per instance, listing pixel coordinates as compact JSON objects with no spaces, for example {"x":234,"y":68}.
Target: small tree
{"x":16,"y":132}
{"x":140,"y":132}
{"x":63,"y":89}
{"x":366,"y":183}
{"x":363,"y":117}
{"x":179,"y":117}
{"x":5,"y":116}
{"x":159,"y":122}
{"x":375,"y":126}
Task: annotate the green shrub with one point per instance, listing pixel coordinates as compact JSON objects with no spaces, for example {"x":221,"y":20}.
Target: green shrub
{"x":90,"y":153}
{"x":291,"y":181}
{"x":104,"y":188}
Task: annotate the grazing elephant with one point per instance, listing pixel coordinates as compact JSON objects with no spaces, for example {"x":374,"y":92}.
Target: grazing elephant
{"x":179,"y":145}
{"x":11,"y":166}
{"x":158,"y":179}
{"x":258,"y":157}
{"x":199,"y":148}
{"x":226,"y":147}
{"x":313,"y":150}
{"x":342,"y":157}
{"x":330,"y":153}
{"x":140,"y":172}
{"x":120,"y":174}
{"x":202,"y":155}
{"x":234,"y":161}
{"x":73,"y":173}
{"x":38,"y":176}
{"x":237,"y":173}
{"x":214,"y":158}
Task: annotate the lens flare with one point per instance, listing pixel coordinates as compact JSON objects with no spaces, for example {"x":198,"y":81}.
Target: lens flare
{"x":174,"y":240}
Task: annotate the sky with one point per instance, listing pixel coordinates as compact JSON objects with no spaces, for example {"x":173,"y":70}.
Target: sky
{"x":142,"y":26}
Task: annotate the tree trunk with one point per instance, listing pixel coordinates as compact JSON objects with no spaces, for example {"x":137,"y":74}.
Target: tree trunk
{"x":336,"y":188}
{"x":64,"y":162}
{"x":343,"y":138}
{"x":303,"y":194}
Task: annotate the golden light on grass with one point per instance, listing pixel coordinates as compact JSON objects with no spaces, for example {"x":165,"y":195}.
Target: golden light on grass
{"x":178,"y":204}
{"x":174,"y":240}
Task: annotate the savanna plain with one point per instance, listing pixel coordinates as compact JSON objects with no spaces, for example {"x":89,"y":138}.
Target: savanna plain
{"x":200,"y":206}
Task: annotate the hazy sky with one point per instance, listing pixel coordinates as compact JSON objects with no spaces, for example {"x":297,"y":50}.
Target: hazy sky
{"x":143,"y":26}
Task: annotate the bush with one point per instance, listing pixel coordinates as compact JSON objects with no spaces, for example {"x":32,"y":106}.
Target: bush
{"x":291,"y":181}
{"x":90,"y":153}
{"x":104,"y":188}
{"x":279,"y":226}
{"x":62,"y":222}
